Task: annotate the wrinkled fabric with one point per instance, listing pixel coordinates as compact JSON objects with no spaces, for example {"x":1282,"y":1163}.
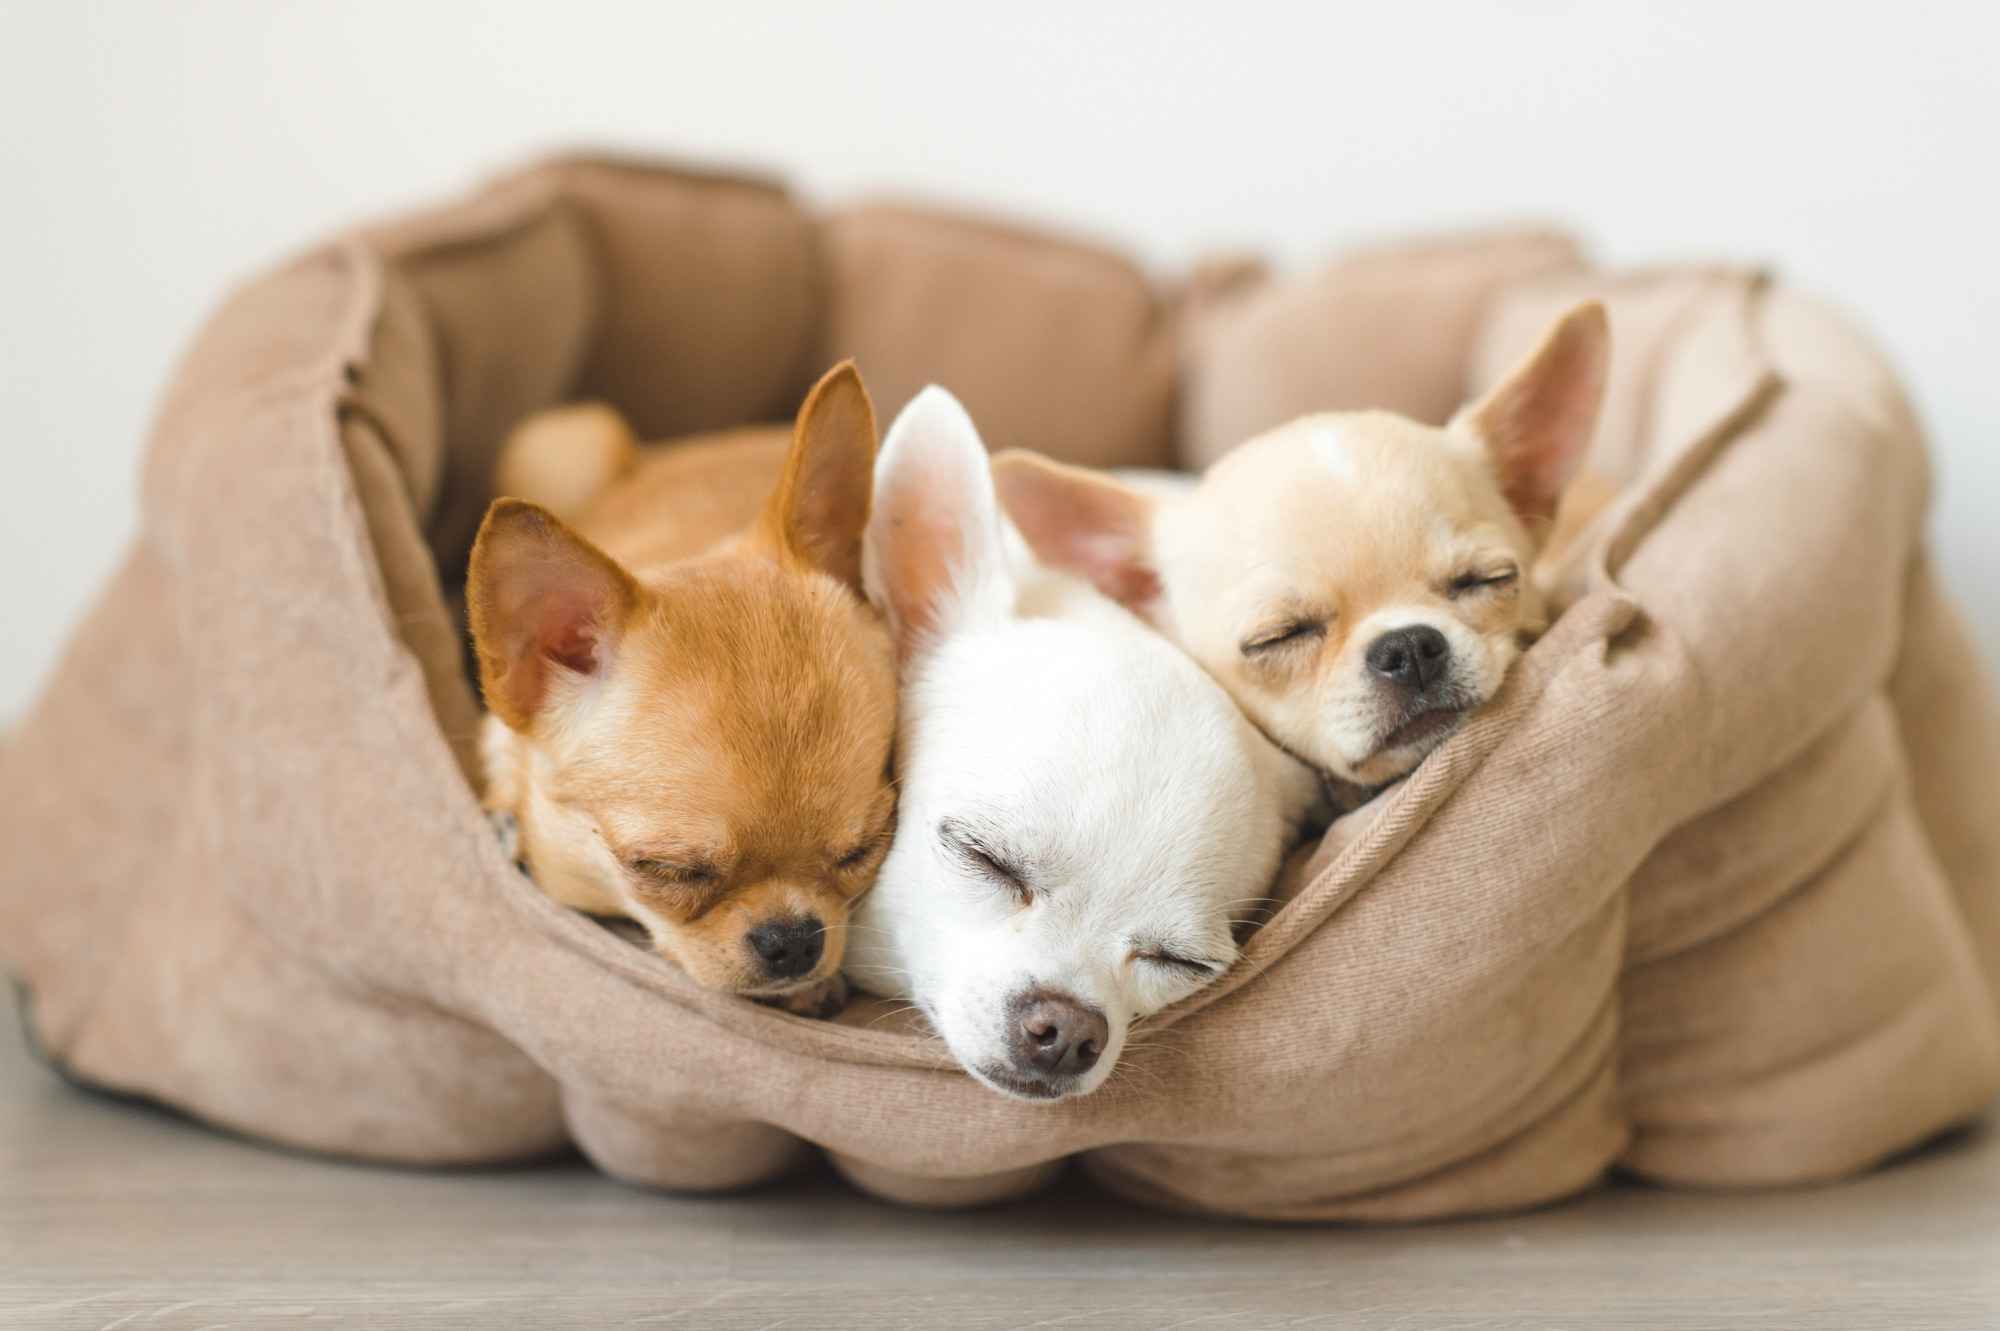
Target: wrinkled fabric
{"x":1708,"y":893}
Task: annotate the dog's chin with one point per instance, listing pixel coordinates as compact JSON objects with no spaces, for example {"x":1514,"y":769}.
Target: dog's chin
{"x":766,"y":991}
{"x":1423,"y":732}
{"x":1043,"y":1090}
{"x":1408,"y":742}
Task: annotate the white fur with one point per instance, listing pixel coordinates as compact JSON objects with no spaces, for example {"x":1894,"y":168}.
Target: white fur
{"x":1143,"y":808}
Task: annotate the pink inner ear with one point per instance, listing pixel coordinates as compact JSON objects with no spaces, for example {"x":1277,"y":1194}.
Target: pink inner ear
{"x":918,"y":567}
{"x":564,"y":608}
{"x":1082,"y":524}
{"x":1111,"y":561}
{"x":568,"y":631}
{"x":1539,"y":423}
{"x":1536,"y":458}
{"x":540,"y":597}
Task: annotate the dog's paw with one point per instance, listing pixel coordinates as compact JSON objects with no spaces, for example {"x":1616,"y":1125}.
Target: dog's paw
{"x":818,"y":1001}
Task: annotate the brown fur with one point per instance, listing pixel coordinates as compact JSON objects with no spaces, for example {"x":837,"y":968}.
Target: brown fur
{"x":693,"y":704}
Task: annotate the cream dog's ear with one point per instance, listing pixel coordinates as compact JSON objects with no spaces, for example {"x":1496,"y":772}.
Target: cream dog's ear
{"x":935,"y":556}
{"x":1536,"y":425}
{"x":1082,"y":522}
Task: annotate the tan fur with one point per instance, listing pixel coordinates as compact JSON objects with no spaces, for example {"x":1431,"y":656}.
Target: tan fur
{"x":1588,"y":495}
{"x":565,"y":457}
{"x":1345,"y":527}
{"x":693,"y":704}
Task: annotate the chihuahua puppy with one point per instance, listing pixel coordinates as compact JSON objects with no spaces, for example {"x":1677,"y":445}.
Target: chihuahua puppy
{"x":1085,"y":815}
{"x":1359,"y":582}
{"x":692,"y":703}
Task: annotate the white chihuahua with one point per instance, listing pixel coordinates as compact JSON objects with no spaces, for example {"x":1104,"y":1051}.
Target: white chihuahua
{"x":1085,"y":815}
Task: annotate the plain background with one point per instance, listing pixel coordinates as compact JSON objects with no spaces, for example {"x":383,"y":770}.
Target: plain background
{"x":155,"y":153}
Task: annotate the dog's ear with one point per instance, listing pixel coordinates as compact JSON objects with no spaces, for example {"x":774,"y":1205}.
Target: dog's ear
{"x":935,"y":552}
{"x":1082,"y":522}
{"x":545,"y":606}
{"x":819,"y":511}
{"x":1536,"y":425}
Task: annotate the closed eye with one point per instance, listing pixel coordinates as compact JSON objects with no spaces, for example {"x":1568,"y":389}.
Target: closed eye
{"x":862,"y":853}
{"x":985,"y":860}
{"x":1194,"y":968}
{"x":874,"y":841}
{"x":1492,"y":580}
{"x":692,"y":873}
{"x":1291,"y":632}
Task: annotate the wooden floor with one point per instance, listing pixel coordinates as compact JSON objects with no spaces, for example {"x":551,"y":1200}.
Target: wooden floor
{"x":118,"y":1216}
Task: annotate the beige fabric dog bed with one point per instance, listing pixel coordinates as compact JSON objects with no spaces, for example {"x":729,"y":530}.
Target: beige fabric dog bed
{"x":1711,"y":893}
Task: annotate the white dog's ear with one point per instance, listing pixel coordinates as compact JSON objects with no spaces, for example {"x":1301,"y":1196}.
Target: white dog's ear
{"x":935,"y":554}
{"x":1082,"y":522}
{"x":1536,"y":425}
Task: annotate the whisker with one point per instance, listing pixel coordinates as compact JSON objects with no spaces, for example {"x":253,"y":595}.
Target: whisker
{"x":892,"y":1012}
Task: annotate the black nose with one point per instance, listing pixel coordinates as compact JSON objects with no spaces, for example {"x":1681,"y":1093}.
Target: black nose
{"x":790,"y":947}
{"x":1410,"y":657}
{"x":1057,"y":1036}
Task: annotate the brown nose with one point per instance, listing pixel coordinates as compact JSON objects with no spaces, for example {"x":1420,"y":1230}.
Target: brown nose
{"x":788,"y":948}
{"x":1411,"y":657}
{"x":1057,"y":1036}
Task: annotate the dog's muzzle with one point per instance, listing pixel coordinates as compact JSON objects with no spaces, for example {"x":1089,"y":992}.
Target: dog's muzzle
{"x":1054,"y":1040}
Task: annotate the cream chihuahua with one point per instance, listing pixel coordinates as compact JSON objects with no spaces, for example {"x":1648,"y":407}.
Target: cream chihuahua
{"x":1359,"y":582}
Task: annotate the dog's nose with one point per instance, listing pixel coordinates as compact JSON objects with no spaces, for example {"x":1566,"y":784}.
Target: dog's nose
{"x":1057,"y":1036}
{"x":789,"y":947}
{"x":1410,"y":657}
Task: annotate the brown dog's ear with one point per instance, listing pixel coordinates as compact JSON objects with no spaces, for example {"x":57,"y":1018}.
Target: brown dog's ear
{"x":1081,"y":522}
{"x":1536,"y":425}
{"x":819,"y":511}
{"x":543,"y":603}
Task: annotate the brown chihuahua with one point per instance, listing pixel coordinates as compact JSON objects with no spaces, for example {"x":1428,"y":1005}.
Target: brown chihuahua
{"x":693,"y":704}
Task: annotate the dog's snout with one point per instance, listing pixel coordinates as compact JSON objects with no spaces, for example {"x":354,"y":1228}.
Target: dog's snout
{"x":1057,"y":1036}
{"x":790,"y":947}
{"x":1412,"y":657}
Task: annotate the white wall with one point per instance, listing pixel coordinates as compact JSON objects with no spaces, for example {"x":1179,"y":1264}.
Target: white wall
{"x":156,"y":152}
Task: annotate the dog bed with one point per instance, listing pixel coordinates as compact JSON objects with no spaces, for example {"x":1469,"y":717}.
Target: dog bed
{"x":1709,"y":894}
